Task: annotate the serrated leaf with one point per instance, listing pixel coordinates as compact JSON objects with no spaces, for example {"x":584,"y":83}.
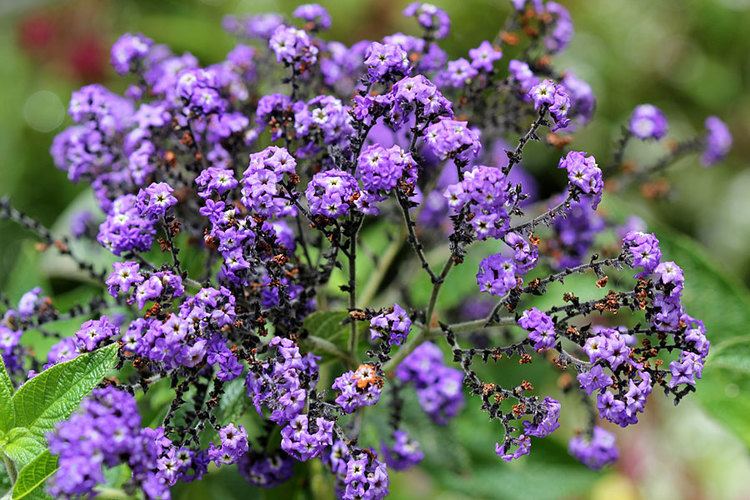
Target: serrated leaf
{"x":31,"y":479}
{"x":7,"y":413}
{"x":21,"y":446}
{"x":233,"y":402}
{"x":55,"y":393}
{"x":327,"y":324}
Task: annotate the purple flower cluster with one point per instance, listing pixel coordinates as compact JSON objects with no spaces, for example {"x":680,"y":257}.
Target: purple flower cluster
{"x":648,"y":122}
{"x":332,"y":193}
{"x":282,"y":381}
{"x":190,"y":337}
{"x":304,"y":442}
{"x":554,"y":97}
{"x":293,"y":47}
{"x":584,"y":176}
{"x":453,"y":139}
{"x":382,"y":170}
{"x":433,"y":20}
{"x":261,"y":183}
{"x":386,"y":62}
{"x":106,"y":433}
{"x":404,"y":453}
{"x":358,"y":472}
{"x":266,"y":471}
{"x":574,"y":234}
{"x":596,"y":450}
{"x":393,"y":325}
{"x":541,"y":328}
{"x":241,"y":197}
{"x":93,"y":333}
{"x":642,"y":250}
{"x":718,"y":141}
{"x":233,"y":445}
{"x":525,"y":253}
{"x":358,"y":388}
{"x":497,"y":275}
{"x":546,"y":421}
{"x":483,"y":194}
{"x":438,"y":386}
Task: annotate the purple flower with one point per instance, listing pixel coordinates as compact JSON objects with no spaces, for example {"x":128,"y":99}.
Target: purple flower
{"x":280,"y":382}
{"x":381,"y":170}
{"x":438,"y":386}
{"x":541,"y":328}
{"x":233,"y":445}
{"x":358,"y":388}
{"x":642,"y":250}
{"x":594,"y":379}
{"x":453,"y":139}
{"x":316,"y":15}
{"x":582,"y":99}
{"x":595,"y":450}
{"x":522,"y":74}
{"x":483,"y":57}
{"x":331,"y":193}
{"x":262,"y":190}
{"x":129,"y":51}
{"x":155,"y":200}
{"x":394,"y":325}
{"x":497,"y":275}
{"x":405,"y":452}
{"x":545,"y":421}
{"x":584,"y":175}
{"x":458,"y":74}
{"x":293,"y":47}
{"x":386,"y":61}
{"x":718,"y":141}
{"x":303,"y":442}
{"x":648,"y":122}
{"x":543,"y":94}
{"x":199,"y":92}
{"x":485,"y":192}
{"x":561,"y":31}
{"x":94,"y":333}
{"x":525,"y":253}
{"x":522,"y":445}
{"x":434,"y":20}
{"x":266,"y":470}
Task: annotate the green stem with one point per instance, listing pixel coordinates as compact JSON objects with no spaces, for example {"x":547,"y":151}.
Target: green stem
{"x":354,"y":333}
{"x":10,"y":468}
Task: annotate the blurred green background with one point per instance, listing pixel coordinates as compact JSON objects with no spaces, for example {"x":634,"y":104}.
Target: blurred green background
{"x":689,"y":57}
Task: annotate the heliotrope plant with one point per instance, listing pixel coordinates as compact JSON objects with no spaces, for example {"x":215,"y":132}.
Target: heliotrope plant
{"x":266,"y":169}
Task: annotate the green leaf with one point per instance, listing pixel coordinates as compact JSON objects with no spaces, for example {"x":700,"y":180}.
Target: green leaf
{"x":538,"y":481}
{"x":21,"y":446}
{"x":55,"y":265}
{"x":233,"y":402}
{"x":31,"y":479}
{"x":55,"y":393}
{"x":7,"y":413}
{"x":726,"y":378}
{"x":334,"y":332}
{"x":327,"y":325}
